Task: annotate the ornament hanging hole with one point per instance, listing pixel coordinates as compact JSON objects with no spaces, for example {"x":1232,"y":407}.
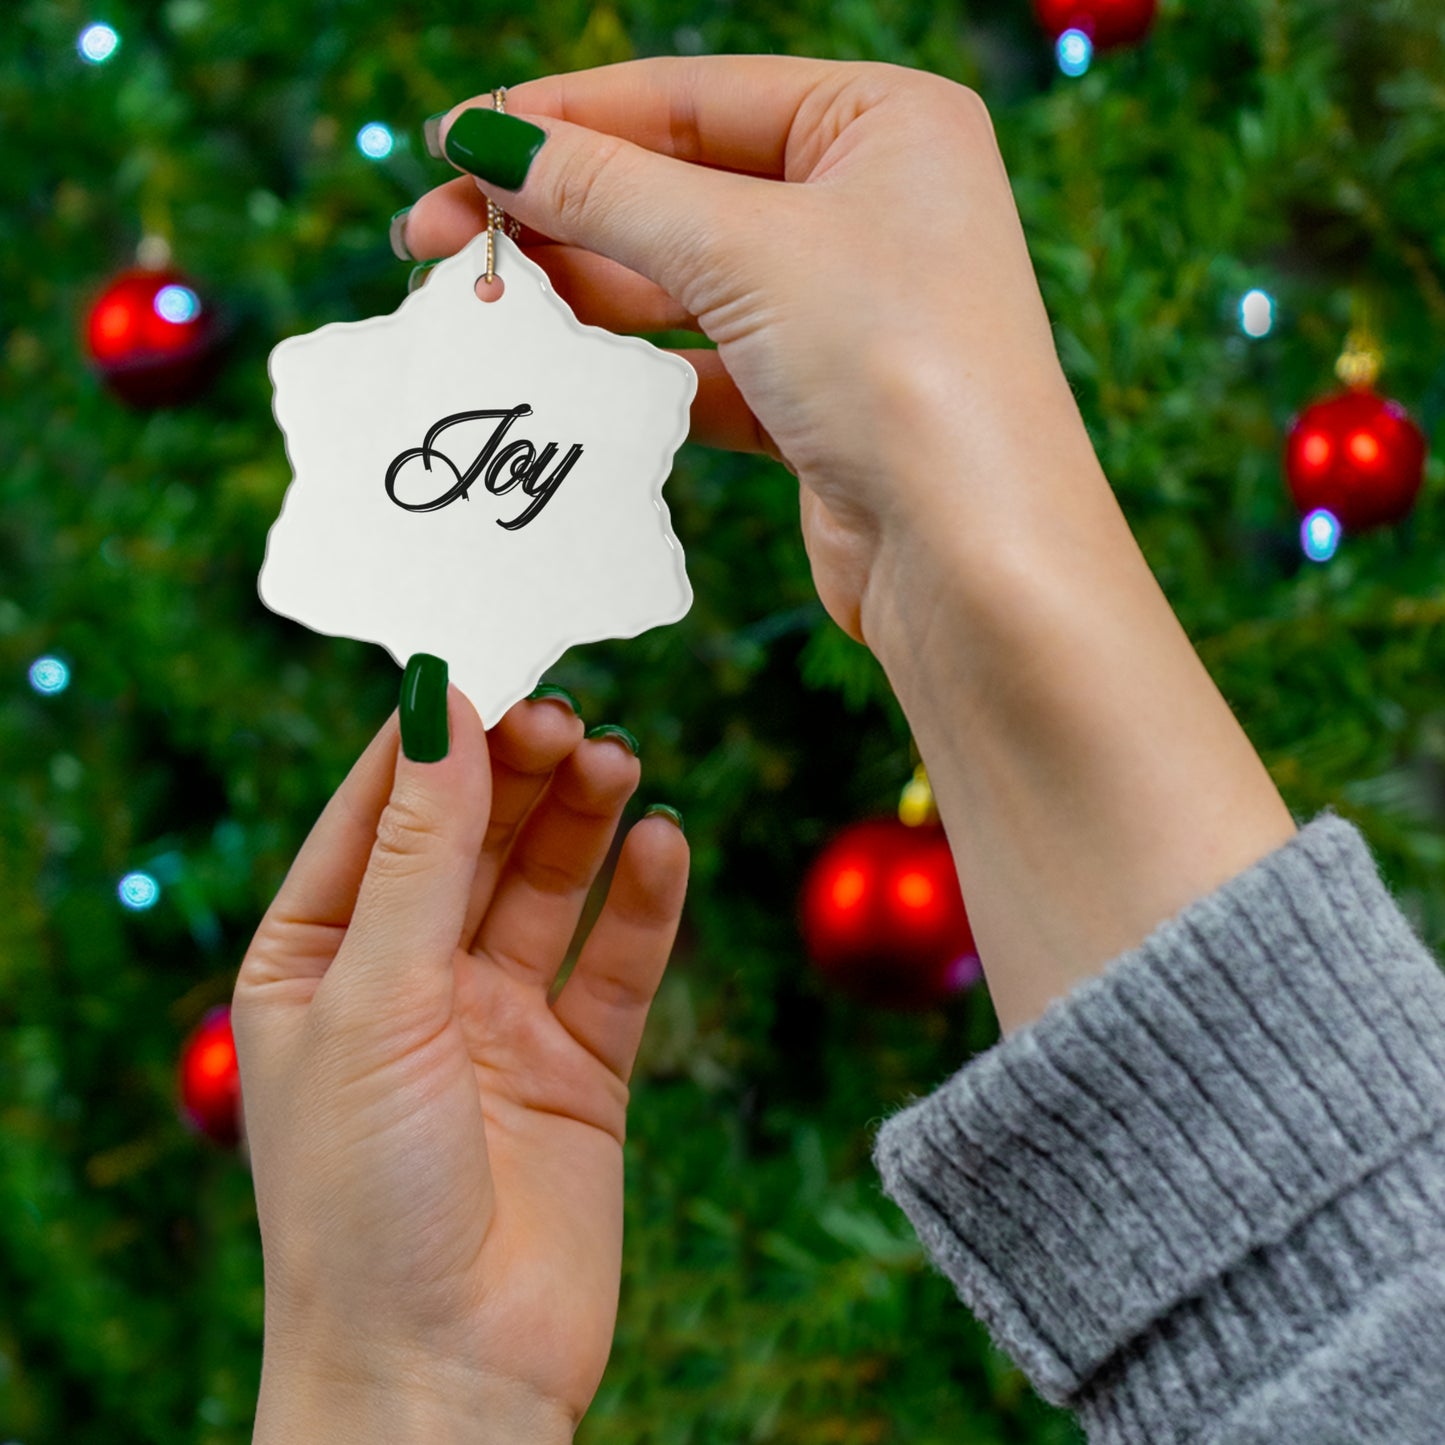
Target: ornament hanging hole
{"x":489,"y":291}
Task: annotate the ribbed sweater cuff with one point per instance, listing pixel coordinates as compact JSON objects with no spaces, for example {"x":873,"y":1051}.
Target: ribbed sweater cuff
{"x":1204,"y":1112}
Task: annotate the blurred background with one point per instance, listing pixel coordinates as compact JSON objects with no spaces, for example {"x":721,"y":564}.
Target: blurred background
{"x":1234,"y":208}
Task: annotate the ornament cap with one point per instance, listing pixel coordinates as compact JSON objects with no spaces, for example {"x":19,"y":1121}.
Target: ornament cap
{"x":915,"y":804}
{"x":153,"y":253}
{"x":1360,"y":362}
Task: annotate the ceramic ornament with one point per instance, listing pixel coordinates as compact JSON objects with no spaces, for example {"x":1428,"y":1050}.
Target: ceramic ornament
{"x":478,"y":480}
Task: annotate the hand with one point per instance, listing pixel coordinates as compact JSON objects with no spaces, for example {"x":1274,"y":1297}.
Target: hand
{"x":847,"y":236}
{"x":879,"y":308}
{"x":437,"y":1151}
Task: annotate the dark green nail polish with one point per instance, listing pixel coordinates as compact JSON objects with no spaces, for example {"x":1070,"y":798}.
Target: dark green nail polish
{"x":396,"y":233}
{"x":612,"y":730}
{"x":424,"y":733}
{"x":667,"y":812}
{"x":418,"y":276}
{"x":550,"y":689}
{"x":431,"y":133}
{"x":498,"y":148}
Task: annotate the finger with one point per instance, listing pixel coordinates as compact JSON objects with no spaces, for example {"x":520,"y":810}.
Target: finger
{"x":599,"y":291}
{"x":720,"y":416}
{"x":526,"y":746}
{"x":606,"y":998}
{"x":738,"y":112}
{"x":603,"y":293}
{"x":396,"y":962}
{"x":659,"y":217}
{"x":443,"y":220}
{"x":301,"y":930}
{"x":543,"y":887}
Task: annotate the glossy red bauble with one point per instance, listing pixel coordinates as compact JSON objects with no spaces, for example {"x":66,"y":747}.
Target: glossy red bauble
{"x":152,"y":338}
{"x":883,"y":917}
{"x":210,"y":1081}
{"x":1107,"y":23}
{"x":1359,"y":456}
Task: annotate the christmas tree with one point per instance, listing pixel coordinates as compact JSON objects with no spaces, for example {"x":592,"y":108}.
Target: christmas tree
{"x":1213,"y":210}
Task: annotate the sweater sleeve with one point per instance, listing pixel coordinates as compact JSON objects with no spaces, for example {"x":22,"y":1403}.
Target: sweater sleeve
{"x":1202,"y":1198}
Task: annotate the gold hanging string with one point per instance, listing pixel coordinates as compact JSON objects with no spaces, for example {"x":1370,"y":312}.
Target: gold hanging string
{"x":497,"y":218}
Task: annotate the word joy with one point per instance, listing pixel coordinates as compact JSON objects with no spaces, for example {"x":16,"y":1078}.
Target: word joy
{"x":501,"y":468}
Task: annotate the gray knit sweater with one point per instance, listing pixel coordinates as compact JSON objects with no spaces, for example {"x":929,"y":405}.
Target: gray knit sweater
{"x":1202,"y":1199}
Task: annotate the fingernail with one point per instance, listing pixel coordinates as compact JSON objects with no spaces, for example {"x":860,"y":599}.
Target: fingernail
{"x":418,"y":276}
{"x":431,"y":133}
{"x":665,"y":811}
{"x":498,"y":148}
{"x":612,"y":730}
{"x":397,"y":235}
{"x":424,"y":735}
{"x":549,"y":689}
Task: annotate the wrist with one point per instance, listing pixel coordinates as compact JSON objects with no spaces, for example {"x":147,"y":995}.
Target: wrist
{"x":321,"y":1401}
{"x":987,"y":479}
{"x":951,"y":579}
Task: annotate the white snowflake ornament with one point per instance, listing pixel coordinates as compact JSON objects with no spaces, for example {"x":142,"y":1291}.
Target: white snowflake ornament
{"x":478,"y":480}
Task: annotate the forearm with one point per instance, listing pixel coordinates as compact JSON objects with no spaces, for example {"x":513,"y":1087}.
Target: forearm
{"x":1091,"y":778}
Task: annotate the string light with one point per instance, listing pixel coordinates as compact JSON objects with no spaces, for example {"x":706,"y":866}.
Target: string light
{"x":966,"y":969}
{"x":1075,"y":52}
{"x":138,"y":891}
{"x":1256,"y":313}
{"x":97,"y":43}
{"x":177,"y":304}
{"x":375,"y":141}
{"x":49,"y":675}
{"x":1320,"y":535}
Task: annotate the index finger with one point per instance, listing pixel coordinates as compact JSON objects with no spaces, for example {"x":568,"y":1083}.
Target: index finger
{"x":734,"y":112}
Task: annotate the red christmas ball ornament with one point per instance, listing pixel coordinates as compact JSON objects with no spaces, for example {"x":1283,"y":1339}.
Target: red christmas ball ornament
{"x":210,"y":1080}
{"x":152,"y":338}
{"x":1107,"y":23}
{"x":883,"y":917}
{"x":1359,"y":456}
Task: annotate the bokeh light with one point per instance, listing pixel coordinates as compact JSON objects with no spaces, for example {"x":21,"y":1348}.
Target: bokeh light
{"x":1256,"y":313}
{"x":964,"y":971}
{"x":375,"y":141}
{"x":1364,"y":448}
{"x":178,"y":304}
{"x":849,"y":887}
{"x":49,"y":675}
{"x":1075,"y":52}
{"x":914,"y":890}
{"x":97,"y":43}
{"x":1315,"y":451}
{"x":1320,"y":535}
{"x":138,"y":891}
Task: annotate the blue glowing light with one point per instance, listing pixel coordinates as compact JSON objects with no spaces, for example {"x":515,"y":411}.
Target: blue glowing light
{"x":49,"y":675}
{"x":1256,"y":313}
{"x":1320,"y":535}
{"x":375,"y":140}
{"x":138,"y":891}
{"x":1075,"y":52}
{"x":177,"y":304}
{"x":97,"y":44}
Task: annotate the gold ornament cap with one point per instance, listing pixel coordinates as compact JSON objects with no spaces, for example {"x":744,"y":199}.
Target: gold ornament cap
{"x":915,"y":804}
{"x":1360,"y":362}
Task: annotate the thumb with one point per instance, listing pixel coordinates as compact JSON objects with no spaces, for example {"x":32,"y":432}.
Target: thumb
{"x":412,"y":902}
{"x":666,"y":219}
